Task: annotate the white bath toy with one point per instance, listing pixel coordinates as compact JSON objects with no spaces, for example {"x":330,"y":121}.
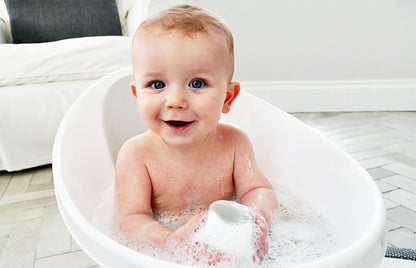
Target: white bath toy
{"x":287,"y":151}
{"x":229,"y":227}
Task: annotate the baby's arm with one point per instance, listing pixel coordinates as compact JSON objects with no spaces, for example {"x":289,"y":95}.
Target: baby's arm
{"x":253,"y":189}
{"x":132,"y":203}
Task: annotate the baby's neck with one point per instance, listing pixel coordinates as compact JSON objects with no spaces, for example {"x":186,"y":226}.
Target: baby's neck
{"x":205,"y":145}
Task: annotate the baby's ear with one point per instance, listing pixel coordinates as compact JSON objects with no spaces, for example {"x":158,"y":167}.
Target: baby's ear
{"x":133,"y":88}
{"x":232,"y":93}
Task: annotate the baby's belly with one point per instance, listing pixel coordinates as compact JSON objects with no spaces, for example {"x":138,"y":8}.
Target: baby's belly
{"x":174,"y":212}
{"x":192,"y":202}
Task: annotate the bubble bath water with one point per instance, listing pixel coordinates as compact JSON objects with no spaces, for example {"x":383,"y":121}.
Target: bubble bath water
{"x":298,"y":234}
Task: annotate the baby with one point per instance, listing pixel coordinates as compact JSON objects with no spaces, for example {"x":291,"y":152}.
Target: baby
{"x":183,"y":63}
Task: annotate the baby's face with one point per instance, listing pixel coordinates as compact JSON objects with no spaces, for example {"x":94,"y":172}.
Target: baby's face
{"x":181,"y":85}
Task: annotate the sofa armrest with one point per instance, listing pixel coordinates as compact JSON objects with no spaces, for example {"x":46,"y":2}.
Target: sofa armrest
{"x":5,"y":36}
{"x":136,"y":15}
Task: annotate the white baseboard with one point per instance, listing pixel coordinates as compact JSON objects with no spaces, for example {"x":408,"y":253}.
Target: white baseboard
{"x":330,"y":96}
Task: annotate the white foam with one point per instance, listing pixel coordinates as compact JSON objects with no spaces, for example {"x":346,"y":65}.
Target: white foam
{"x":298,"y":234}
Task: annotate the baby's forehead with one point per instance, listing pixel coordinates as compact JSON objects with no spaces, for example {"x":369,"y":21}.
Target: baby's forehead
{"x":158,"y":31}
{"x":208,"y":37}
{"x":212,"y":36}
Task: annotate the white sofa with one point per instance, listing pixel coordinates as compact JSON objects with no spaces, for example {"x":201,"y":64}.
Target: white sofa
{"x":40,"y":81}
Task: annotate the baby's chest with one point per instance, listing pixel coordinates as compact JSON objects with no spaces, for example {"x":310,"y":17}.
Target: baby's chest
{"x":178,"y":191}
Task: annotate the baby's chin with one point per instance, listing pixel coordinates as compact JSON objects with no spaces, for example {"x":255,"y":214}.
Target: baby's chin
{"x":181,"y":143}
{"x":184,"y":142}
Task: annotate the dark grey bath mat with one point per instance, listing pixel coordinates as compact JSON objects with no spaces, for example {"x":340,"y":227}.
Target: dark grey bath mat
{"x":401,"y":253}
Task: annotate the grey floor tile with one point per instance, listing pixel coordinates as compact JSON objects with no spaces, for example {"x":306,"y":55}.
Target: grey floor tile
{"x":392,"y":225}
{"x":401,"y":182}
{"x":371,"y":136}
{"x":397,"y":263}
{"x":20,"y":248}
{"x":19,"y":183}
{"x":40,"y":187}
{"x":390,"y":204}
{"x":402,"y":238}
{"x":42,"y":179}
{"x":402,"y":158}
{"x":403,"y":197}
{"x":6,"y":200}
{"x":385,"y":187}
{"x":375,"y":162}
{"x":335,"y":132}
{"x":368,"y":154}
{"x":357,"y":134}
{"x":402,"y":169}
{"x":74,"y":245}
{"x":4,"y":182}
{"x":377,"y":173}
{"x":3,"y":241}
{"x":24,"y":210}
{"x":408,"y":147}
{"x":23,"y":215}
{"x":365,"y":146}
{"x":76,"y":259}
{"x":5,"y":229}
{"x":403,"y":216}
{"x":28,"y":204}
{"x":54,"y":237}
{"x":42,"y":174}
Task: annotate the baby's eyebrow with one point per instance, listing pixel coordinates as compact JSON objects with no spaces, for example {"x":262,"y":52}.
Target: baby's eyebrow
{"x":201,"y":71}
{"x":151,"y":74}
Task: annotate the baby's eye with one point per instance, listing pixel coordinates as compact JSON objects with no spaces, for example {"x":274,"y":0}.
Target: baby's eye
{"x":157,"y":85}
{"x":197,"y":83}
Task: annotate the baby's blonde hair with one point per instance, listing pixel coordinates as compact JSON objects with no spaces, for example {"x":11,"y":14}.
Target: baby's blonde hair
{"x":189,"y":20}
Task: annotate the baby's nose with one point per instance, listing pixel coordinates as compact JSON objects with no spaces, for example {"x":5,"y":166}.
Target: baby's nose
{"x":176,"y":99}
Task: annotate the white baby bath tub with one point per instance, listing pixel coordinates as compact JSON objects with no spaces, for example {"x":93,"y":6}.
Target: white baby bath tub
{"x":287,"y":150}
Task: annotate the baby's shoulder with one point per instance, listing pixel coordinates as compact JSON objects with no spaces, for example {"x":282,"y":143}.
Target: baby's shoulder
{"x":233,"y":134}
{"x":134,"y":145}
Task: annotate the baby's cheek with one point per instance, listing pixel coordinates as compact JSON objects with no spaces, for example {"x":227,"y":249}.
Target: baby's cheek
{"x":148,"y":110}
{"x":211,"y":111}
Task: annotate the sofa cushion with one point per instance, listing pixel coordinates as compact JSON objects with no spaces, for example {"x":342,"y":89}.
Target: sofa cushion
{"x":64,"y":60}
{"x":51,"y":20}
{"x":124,"y":7}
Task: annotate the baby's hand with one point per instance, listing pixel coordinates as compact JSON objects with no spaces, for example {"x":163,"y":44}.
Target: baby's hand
{"x":183,"y":234}
{"x":261,"y":245}
{"x":202,"y":253}
{"x":182,"y":238}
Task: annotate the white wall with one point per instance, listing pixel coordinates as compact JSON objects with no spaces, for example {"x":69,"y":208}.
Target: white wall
{"x":325,"y":54}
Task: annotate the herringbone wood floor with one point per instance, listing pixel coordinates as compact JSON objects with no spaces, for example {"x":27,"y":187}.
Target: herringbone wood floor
{"x":384,"y":143}
{"x":32,"y":233}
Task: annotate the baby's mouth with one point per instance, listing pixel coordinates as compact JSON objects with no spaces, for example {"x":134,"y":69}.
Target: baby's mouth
{"x":178,"y":125}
